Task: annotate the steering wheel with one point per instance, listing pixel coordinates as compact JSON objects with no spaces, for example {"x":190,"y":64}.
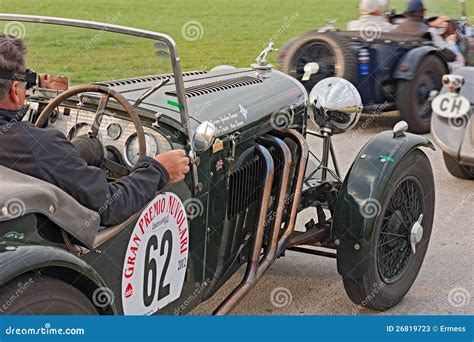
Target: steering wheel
{"x":91,"y":140}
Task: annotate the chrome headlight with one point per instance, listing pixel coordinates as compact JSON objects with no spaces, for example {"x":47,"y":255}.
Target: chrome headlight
{"x":335,"y":104}
{"x":204,"y":136}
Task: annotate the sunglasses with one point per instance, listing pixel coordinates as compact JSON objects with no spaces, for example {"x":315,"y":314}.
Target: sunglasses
{"x":29,"y":77}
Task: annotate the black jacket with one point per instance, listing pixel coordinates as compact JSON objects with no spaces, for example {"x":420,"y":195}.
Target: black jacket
{"x":48,"y":155}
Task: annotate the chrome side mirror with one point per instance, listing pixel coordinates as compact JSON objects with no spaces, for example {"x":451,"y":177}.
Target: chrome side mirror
{"x":335,"y":104}
{"x":204,"y":136}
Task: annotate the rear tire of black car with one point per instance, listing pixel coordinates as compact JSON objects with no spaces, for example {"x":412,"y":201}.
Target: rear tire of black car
{"x":41,"y":295}
{"x":332,"y":52}
{"x":413,"y":95}
{"x":409,"y":193}
{"x":457,"y":169}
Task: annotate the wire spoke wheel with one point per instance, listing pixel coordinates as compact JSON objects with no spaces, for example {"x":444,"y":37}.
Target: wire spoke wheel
{"x":397,"y":244}
{"x":393,"y":248}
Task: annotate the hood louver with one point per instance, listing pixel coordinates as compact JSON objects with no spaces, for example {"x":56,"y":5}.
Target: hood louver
{"x":136,"y":80}
{"x":213,"y":87}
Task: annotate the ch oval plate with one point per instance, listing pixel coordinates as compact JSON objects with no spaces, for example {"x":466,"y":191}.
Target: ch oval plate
{"x":155,"y":262}
{"x":451,"y":105}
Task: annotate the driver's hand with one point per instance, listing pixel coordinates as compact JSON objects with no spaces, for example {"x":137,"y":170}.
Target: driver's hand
{"x":175,"y":162}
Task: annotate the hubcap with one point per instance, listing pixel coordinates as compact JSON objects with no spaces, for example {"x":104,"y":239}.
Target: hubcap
{"x":416,"y":233}
{"x":318,"y":53}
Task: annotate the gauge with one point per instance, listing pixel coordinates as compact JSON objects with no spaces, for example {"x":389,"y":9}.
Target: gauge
{"x":114,"y":131}
{"x":131,"y":148}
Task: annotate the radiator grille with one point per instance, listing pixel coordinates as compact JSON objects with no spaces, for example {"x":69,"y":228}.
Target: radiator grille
{"x":245,"y":186}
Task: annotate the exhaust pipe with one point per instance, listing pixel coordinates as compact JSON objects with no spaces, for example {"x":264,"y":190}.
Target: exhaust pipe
{"x":278,"y":244}
{"x":250,"y":277}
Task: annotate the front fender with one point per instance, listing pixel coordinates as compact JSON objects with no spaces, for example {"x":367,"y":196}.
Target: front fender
{"x":367,"y":178}
{"x":408,"y":65}
{"x":17,"y":259}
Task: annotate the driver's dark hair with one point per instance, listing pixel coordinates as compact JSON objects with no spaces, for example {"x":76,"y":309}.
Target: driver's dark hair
{"x":12,"y":58}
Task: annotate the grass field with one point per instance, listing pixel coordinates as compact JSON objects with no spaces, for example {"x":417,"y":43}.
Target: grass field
{"x":228,"y":32}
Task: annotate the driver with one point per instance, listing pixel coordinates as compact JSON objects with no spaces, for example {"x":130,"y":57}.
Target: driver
{"x":48,"y":155}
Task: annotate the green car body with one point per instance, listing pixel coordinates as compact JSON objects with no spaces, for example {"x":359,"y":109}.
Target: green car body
{"x":255,"y":110}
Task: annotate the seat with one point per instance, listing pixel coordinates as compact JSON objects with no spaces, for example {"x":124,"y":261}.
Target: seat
{"x":21,"y":194}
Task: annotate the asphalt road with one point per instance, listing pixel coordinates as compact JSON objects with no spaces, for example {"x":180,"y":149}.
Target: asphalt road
{"x":300,"y":284}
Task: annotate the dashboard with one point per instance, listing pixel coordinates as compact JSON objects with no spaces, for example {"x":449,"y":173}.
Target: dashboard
{"x":116,"y":134}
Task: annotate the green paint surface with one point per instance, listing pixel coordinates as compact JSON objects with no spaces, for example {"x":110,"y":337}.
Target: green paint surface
{"x":175,"y":104}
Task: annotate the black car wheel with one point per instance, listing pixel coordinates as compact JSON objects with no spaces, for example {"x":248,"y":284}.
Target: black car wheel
{"x":395,"y":258}
{"x":457,"y":169}
{"x":413,"y":96}
{"x":41,"y":295}
{"x":332,"y":53}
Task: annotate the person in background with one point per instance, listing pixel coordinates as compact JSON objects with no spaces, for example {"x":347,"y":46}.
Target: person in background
{"x":371,"y":17}
{"x":414,"y":25}
{"x":445,"y":36}
{"x":437,"y":30}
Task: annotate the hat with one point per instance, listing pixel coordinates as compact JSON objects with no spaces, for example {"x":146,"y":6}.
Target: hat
{"x":415,"y":6}
{"x":367,"y":7}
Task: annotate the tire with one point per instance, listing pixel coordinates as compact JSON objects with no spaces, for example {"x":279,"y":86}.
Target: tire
{"x":332,"y":52}
{"x":409,"y":193}
{"x":457,"y":169}
{"x":41,"y":295}
{"x":413,"y":96}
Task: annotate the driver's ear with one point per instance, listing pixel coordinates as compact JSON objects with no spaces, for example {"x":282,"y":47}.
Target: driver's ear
{"x":15,"y":92}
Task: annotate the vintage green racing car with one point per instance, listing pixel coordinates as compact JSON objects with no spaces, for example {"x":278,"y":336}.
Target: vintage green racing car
{"x":252,"y":172}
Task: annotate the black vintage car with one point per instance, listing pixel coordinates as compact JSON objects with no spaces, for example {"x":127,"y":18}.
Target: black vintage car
{"x":391,"y":71}
{"x":245,"y":132}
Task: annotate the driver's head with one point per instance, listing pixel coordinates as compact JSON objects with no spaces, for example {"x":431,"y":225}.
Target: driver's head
{"x":415,"y":9}
{"x":12,"y":58}
{"x":372,"y":7}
